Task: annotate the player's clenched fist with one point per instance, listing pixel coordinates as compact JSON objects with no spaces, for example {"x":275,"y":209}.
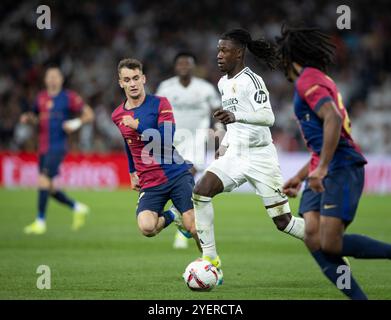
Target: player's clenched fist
{"x":135,"y":183}
{"x":224,"y":116}
{"x":129,"y":121}
{"x":292,"y":187}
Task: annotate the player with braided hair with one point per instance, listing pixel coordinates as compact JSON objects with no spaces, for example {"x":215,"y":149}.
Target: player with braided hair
{"x":247,"y":153}
{"x":334,"y":177}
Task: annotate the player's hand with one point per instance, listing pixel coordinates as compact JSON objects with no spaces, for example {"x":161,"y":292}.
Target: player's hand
{"x":70,"y":126}
{"x":134,"y":182}
{"x":27,"y":117}
{"x":220,"y":151}
{"x":292,"y":187}
{"x":129,"y":121}
{"x":224,"y":116}
{"x":315,"y":179}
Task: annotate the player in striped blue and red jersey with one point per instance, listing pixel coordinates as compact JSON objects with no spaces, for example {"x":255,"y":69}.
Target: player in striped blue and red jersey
{"x":156,"y":169}
{"x":53,"y":111}
{"x":334,"y":177}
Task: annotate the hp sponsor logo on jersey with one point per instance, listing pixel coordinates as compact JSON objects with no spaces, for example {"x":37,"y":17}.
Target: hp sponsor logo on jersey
{"x":260,"y":96}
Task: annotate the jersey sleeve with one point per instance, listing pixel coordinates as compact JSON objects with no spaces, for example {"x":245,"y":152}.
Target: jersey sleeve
{"x":166,"y":121}
{"x":314,"y":93}
{"x":130,"y":158}
{"x":76,"y":103}
{"x":165,"y":113}
{"x":258,"y":95}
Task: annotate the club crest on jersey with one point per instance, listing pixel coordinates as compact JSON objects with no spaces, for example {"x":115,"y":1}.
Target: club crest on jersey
{"x":260,"y":96}
{"x":234,"y":88}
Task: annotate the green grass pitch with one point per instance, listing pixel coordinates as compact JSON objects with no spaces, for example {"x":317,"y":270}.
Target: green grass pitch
{"x":110,"y":259}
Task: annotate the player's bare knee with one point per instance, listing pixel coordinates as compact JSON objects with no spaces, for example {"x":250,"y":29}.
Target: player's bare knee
{"x":208,"y":186}
{"x":311,"y":238}
{"x":148,"y":231}
{"x":202,"y":190}
{"x":147,"y":227}
{"x":282,"y":221}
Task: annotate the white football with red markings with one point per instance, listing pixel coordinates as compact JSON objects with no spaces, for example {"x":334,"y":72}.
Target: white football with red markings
{"x":201,"y":275}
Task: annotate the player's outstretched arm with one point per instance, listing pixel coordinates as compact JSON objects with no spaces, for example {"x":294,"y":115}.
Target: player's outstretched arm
{"x":87,"y":116}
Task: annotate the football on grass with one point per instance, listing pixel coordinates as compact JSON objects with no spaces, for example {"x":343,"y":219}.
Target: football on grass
{"x":201,"y":275}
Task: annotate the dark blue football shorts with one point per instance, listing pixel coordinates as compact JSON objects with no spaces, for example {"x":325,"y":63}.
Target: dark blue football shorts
{"x":179,"y":190}
{"x":49,"y":163}
{"x":343,"y":189}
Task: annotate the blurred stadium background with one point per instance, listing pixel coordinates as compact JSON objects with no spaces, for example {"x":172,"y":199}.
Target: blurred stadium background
{"x":88,"y":38}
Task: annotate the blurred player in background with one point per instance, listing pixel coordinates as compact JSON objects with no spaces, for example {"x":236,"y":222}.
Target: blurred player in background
{"x":247,"y":153}
{"x":156,"y":169}
{"x":193,"y":100}
{"x":334,"y":177}
{"x":52,"y":112}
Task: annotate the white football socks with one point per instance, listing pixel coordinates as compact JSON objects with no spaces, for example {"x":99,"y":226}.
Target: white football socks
{"x":296,"y":227}
{"x":204,"y":216}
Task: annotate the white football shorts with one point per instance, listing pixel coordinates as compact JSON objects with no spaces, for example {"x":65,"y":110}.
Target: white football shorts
{"x":259,"y":167}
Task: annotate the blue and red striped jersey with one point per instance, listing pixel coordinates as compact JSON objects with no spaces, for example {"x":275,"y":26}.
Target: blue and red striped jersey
{"x":52,"y":112}
{"x":313,"y":88}
{"x":150,"y":151}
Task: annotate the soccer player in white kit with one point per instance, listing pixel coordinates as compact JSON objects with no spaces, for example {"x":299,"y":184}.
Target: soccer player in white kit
{"x":247,"y":152}
{"x":193,"y":100}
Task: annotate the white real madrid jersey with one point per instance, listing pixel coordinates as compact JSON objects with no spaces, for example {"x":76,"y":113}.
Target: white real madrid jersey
{"x":192,"y":104}
{"x":245,"y":92}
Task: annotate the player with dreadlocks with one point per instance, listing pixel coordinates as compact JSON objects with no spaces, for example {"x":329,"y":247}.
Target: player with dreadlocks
{"x":247,"y":153}
{"x":334,"y":177}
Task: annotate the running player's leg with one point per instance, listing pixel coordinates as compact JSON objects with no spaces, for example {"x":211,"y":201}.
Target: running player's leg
{"x":44,"y":183}
{"x":264,"y":174}
{"x":188,"y":150}
{"x":150,"y":223}
{"x":181,"y":197}
{"x":151,"y":218}
{"x":206,"y":188}
{"x":53,"y":162}
{"x":338,"y":210}
{"x":310,"y":208}
{"x":224,"y":174}
{"x":279,"y":210}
